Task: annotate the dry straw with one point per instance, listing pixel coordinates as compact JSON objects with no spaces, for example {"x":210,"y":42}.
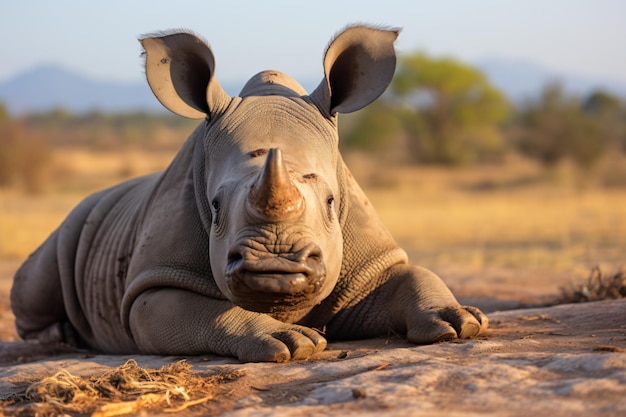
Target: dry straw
{"x":126,"y":389}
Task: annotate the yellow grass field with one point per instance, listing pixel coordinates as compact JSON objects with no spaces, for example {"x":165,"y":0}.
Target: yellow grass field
{"x":466,"y":219}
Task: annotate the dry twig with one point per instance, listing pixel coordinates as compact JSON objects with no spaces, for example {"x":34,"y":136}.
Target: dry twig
{"x":599,"y":286}
{"x":123,"y":390}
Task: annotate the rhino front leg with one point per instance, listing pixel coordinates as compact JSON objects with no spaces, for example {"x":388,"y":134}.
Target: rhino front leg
{"x":411,"y":301}
{"x":174,"y":321}
{"x":424,"y":305}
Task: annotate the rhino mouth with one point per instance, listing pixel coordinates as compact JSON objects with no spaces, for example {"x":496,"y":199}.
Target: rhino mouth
{"x":277,"y":275}
{"x":285,"y":280}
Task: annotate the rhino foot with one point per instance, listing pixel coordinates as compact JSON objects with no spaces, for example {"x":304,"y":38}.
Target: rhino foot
{"x":60,"y":332}
{"x":441,"y":324}
{"x":284,"y":343}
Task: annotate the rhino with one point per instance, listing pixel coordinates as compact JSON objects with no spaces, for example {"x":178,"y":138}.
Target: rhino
{"x":256,"y":241}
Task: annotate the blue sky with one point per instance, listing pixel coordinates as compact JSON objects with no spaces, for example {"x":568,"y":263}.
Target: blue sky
{"x":98,"y":39}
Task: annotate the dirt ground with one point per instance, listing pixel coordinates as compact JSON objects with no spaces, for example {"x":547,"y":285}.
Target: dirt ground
{"x":566,"y":360}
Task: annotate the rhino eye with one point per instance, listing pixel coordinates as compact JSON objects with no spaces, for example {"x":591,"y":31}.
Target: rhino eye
{"x":330,"y":211}
{"x":217,"y":217}
{"x":216,"y":205}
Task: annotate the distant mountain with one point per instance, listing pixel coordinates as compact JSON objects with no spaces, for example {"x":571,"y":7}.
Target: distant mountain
{"x":47,"y":87}
{"x":522,"y":80}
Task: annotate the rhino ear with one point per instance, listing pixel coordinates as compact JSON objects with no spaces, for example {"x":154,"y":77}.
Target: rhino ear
{"x":179,"y":69}
{"x":358,"y":66}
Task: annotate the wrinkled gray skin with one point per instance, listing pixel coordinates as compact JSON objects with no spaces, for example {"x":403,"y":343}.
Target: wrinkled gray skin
{"x":255,"y":235}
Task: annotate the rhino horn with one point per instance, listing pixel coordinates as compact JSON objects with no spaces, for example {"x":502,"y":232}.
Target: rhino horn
{"x":274,"y":196}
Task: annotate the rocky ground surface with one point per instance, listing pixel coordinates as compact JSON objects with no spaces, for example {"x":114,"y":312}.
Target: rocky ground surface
{"x":567,"y":359}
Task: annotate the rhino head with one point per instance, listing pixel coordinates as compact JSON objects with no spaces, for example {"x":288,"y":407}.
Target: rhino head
{"x":267,"y":161}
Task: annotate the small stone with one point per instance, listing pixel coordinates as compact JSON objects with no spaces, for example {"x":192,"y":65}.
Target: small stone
{"x":358,"y":393}
{"x":608,"y":348}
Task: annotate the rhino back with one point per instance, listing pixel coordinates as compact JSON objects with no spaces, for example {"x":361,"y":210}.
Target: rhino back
{"x":94,"y":251}
{"x":143,"y":234}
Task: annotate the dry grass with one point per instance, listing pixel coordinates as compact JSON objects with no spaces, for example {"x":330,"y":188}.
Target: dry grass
{"x":510,"y":216}
{"x":599,"y":286}
{"x":127,"y":389}
{"x":84,"y":170}
{"x":504,"y":217}
{"x":26,"y":220}
{"x":538,"y":227}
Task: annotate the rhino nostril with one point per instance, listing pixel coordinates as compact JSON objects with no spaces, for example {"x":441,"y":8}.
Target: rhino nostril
{"x":310,"y":253}
{"x":234,"y":256}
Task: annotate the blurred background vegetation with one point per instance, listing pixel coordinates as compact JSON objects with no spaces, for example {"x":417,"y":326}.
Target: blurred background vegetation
{"x":33,"y":147}
{"x":463,"y":177}
{"x":437,"y":112}
{"x":443,"y":112}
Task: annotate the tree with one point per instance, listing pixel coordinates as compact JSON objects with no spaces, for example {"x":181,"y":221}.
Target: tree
{"x":372,"y":129}
{"x":555,"y":127}
{"x":451,"y":113}
{"x":610,"y":113}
